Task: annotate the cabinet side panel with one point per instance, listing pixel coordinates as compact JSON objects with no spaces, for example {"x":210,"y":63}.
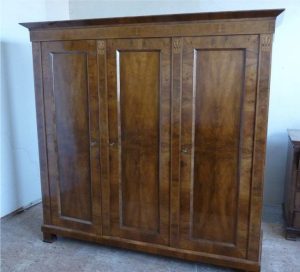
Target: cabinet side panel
{"x":70,"y":90}
{"x":219,"y":88}
{"x":139,"y":93}
{"x":40,"y":116}
{"x":260,"y":137}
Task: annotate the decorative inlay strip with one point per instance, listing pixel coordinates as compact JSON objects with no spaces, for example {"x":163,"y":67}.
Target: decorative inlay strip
{"x":177,"y":45}
{"x":101,"y":47}
{"x":266,"y":41}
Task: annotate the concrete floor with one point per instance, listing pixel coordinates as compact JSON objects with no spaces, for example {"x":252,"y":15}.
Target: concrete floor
{"x":23,"y":250}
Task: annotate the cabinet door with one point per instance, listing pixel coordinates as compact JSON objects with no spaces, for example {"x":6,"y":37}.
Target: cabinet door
{"x":71,"y":113}
{"x":138,"y":139}
{"x":219,"y":81}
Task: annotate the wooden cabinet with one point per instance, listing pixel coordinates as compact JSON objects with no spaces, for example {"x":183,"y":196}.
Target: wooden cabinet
{"x":152,"y":132}
{"x":292,"y":186}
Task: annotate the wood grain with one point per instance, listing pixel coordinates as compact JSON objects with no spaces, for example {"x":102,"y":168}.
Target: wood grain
{"x":72,"y":133}
{"x":187,"y":17}
{"x":70,"y":86}
{"x":222,"y":27}
{"x":260,"y":137}
{"x":139,"y":131}
{"x":139,"y":117}
{"x":219,"y":92}
{"x":152,"y":132}
{"x":195,"y":256}
{"x":42,"y":137}
{"x":175,"y":139}
{"x":218,"y":108}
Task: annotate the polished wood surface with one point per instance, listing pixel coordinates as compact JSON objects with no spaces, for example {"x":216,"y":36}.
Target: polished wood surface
{"x":139,"y":137}
{"x":219,"y":79}
{"x":40,"y":117}
{"x":139,"y":117}
{"x":195,"y":256}
{"x":259,"y":148}
{"x":219,"y":88}
{"x":71,"y":110}
{"x":208,"y":16}
{"x":152,"y":132}
{"x":292,"y":186}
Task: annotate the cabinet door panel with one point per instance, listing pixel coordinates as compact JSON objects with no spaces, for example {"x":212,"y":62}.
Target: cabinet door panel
{"x":71,"y":109}
{"x":139,"y":138}
{"x":217,"y":115}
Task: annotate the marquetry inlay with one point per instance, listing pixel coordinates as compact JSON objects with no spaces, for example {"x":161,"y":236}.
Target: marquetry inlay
{"x":266,"y":41}
{"x":101,"y":47}
{"x":176,"y":45}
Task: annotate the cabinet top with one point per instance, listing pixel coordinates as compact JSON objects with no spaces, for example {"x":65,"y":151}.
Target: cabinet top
{"x":294,"y":135}
{"x":228,"y":15}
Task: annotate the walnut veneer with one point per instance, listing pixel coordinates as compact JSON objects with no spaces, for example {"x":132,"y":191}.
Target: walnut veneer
{"x":152,"y":132}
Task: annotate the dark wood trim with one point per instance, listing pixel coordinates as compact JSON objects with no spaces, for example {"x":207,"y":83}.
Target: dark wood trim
{"x":291,"y":206}
{"x":291,"y":233}
{"x":271,"y":13}
{"x":261,"y":121}
{"x":49,"y":237}
{"x":176,"y":92}
{"x":293,"y":135}
{"x":156,"y":30}
{"x":42,"y":137}
{"x":104,"y":140}
{"x":231,"y":234}
{"x":156,"y":249}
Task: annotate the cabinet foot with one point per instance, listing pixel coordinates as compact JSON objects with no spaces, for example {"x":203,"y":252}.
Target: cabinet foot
{"x":290,"y":235}
{"x":49,"y":237}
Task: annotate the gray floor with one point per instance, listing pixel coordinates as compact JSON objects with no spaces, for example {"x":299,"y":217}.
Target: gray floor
{"x":23,"y":250}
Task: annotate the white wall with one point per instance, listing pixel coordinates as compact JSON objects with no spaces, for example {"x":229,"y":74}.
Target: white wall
{"x":285,"y":91}
{"x":20,"y":178}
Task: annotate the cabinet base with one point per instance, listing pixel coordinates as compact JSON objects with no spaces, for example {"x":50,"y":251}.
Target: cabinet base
{"x":241,"y":264}
{"x":291,"y":233}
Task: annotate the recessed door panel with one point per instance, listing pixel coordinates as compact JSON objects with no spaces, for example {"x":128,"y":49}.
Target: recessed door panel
{"x":139,"y":118}
{"x":218,"y":92}
{"x":139,"y":137}
{"x":217,"y":124}
{"x":72,"y":134}
{"x":70,"y":88}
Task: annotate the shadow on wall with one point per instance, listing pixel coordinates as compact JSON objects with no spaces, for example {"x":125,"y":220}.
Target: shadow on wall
{"x":19,"y":155}
{"x":9,"y":173}
{"x":275,"y":168}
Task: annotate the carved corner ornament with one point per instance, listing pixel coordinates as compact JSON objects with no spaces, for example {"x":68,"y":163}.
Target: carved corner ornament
{"x":101,"y":47}
{"x":266,"y":42}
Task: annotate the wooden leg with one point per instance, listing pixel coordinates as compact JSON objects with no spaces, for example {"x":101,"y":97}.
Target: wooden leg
{"x":290,"y":235}
{"x":49,"y":237}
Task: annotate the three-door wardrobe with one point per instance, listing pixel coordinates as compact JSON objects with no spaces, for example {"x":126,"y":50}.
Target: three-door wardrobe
{"x":152,"y":132}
